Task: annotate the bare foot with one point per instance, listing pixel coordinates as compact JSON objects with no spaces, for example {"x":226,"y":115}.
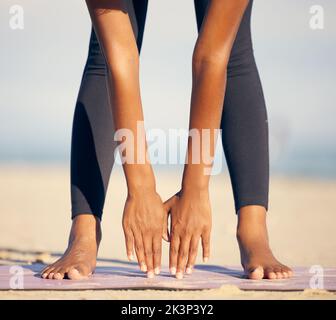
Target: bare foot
{"x":256,"y":256}
{"x":79,"y":260}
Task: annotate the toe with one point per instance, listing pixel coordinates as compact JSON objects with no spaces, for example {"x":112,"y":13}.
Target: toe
{"x":44,"y":273}
{"x":255,"y":273}
{"x":278,"y":272}
{"x":78,"y":273}
{"x":73,"y":274}
{"x":50,"y":275}
{"x":270,"y":274}
{"x":287,"y":270}
{"x":58,"y":276}
{"x":284,"y":273}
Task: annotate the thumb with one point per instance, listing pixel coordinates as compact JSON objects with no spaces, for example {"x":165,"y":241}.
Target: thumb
{"x":167,"y":208}
{"x":165,"y":232}
{"x":168,"y":204}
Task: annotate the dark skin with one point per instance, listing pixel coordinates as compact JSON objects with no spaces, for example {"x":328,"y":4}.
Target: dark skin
{"x":145,"y":216}
{"x":190,"y":209}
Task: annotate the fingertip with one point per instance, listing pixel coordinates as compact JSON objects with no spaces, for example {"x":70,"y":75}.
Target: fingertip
{"x":157,"y":270}
{"x":143,"y":267}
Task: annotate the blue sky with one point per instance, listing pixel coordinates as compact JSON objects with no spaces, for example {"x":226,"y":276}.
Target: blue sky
{"x":41,"y":67}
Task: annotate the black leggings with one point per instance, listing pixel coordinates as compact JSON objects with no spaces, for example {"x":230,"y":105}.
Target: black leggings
{"x":244,"y":124}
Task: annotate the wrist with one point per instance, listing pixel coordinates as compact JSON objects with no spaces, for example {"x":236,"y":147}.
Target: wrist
{"x":141,"y":182}
{"x":191,"y":181}
{"x":194,"y":189}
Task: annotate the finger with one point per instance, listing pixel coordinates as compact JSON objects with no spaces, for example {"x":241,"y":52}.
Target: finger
{"x":157,"y":251}
{"x":139,"y":250}
{"x":129,"y":240}
{"x":173,"y":252}
{"x":206,"y":245}
{"x":148,"y":248}
{"x":192,"y":253}
{"x":182,"y":256}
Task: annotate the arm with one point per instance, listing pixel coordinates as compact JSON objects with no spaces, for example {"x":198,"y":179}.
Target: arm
{"x":190,"y":210}
{"x":143,"y":209}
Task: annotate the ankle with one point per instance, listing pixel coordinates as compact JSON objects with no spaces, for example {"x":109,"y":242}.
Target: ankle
{"x":251,"y":215}
{"x":251,"y":222}
{"x":86,"y":227}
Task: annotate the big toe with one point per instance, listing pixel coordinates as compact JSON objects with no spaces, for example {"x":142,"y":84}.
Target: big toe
{"x":255,"y":273}
{"x":78,"y":273}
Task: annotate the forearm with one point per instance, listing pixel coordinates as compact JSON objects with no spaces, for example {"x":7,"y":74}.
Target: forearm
{"x":111,"y":20}
{"x":210,"y":58}
{"x":129,"y":125}
{"x":205,"y":116}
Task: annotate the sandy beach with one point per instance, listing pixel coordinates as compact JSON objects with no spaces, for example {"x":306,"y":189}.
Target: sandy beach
{"x":35,"y":221}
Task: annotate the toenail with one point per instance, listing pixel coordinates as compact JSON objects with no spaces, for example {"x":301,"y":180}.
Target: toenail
{"x":150,"y":274}
{"x":173,"y":270}
{"x":179,"y":275}
{"x":188,"y":270}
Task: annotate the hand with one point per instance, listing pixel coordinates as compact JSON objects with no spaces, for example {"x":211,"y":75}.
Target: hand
{"x":143,"y":221}
{"x":190,"y":220}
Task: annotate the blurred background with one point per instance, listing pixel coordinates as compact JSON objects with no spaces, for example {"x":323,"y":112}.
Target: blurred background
{"x":40,"y":71}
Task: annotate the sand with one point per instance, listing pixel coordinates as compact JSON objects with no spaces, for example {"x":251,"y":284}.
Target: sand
{"x":35,"y":210}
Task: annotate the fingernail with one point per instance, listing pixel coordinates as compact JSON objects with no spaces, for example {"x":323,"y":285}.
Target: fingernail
{"x":143,"y":267}
{"x":173,"y":270}
{"x":205,"y":259}
{"x":150,"y":274}
{"x":130,"y":257}
{"x":179,"y":275}
{"x":157,"y":270}
{"x":188,"y":270}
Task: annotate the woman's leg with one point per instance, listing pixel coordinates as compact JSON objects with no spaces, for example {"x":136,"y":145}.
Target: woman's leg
{"x":92,"y":158}
{"x":245,"y":142}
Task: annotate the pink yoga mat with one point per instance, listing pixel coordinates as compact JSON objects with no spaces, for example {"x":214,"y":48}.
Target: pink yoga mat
{"x":128,"y":276}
